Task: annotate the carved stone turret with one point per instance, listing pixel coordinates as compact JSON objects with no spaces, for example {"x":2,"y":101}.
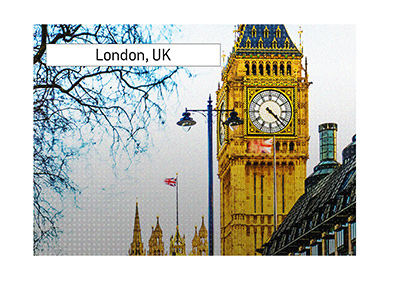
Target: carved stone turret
{"x":177,"y":245}
{"x":199,"y":242}
{"x":136,"y":245}
{"x":156,"y":245}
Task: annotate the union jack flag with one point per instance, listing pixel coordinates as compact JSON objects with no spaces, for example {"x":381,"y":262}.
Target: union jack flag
{"x":171,"y":182}
{"x":266,"y":146}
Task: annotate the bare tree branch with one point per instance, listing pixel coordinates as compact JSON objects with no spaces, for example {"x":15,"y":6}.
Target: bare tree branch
{"x":68,"y":101}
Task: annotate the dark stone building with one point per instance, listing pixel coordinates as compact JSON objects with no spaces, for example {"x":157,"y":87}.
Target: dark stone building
{"x":323,"y":220}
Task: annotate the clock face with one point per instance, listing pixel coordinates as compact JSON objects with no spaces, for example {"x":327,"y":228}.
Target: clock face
{"x":221,"y":131}
{"x":270,"y":111}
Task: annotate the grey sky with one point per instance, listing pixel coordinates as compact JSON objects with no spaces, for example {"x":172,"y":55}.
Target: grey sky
{"x":103,"y":223}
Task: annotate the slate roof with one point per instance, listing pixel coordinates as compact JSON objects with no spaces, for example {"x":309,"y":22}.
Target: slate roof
{"x":251,"y":35}
{"x":328,"y":202}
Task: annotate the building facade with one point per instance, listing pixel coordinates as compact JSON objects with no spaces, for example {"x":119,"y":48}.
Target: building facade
{"x":266,"y":83}
{"x":323,"y":220}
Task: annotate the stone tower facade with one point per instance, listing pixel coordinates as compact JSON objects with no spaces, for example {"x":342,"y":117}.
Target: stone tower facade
{"x":265,"y":82}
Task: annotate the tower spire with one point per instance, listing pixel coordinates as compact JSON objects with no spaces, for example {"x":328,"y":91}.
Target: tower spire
{"x":199,"y":242}
{"x":301,"y":43}
{"x":136,"y":245}
{"x":156,"y":245}
{"x":177,"y":244}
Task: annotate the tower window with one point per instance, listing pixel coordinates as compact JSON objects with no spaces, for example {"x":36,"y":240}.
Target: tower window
{"x":289,"y":69}
{"x":274,"y":44}
{"x":281,"y":69}
{"x":254,"y":32}
{"x":268,"y":68}
{"x":248,"y":43}
{"x":247,"y":68}
{"x":275,"y":69}
{"x":266,"y":33}
{"x":262,"y":197}
{"x":261,"y":69}
{"x":286,"y":43}
{"x":260,"y":44}
{"x":255,"y":192}
{"x":278,"y":32}
{"x":254,"y":69}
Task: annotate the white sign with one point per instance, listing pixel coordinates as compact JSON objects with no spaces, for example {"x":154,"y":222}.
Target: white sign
{"x":200,"y":55}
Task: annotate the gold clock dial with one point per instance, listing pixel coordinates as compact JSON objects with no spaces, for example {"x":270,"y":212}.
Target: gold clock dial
{"x":270,"y":111}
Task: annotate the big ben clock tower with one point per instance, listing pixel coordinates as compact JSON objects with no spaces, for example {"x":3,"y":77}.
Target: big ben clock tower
{"x":265,"y":82}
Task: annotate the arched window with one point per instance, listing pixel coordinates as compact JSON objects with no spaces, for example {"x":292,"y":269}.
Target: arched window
{"x":281,"y":69}
{"x":286,"y":43}
{"x":268,"y":68}
{"x":261,"y":69}
{"x":254,"y":69}
{"x":248,"y":43}
{"x":278,"y":32}
{"x":274,"y":44}
{"x":291,"y":146}
{"x":289,"y":69}
{"x":260,"y":44}
{"x":275,"y":69}
{"x":266,"y":33}
{"x":247,"y":68}
{"x":254,"y":32}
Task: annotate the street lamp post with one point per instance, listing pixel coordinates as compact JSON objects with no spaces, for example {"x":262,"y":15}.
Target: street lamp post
{"x":187,"y":122}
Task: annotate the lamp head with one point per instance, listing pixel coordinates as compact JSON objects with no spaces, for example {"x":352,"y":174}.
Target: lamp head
{"x":186,"y":121}
{"x":233,"y":121}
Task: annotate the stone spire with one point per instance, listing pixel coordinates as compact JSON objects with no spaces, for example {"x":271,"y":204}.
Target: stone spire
{"x":177,"y":244}
{"x":199,"y":242}
{"x":195,"y":242}
{"x":203,"y":247}
{"x":137,"y":245}
{"x":156,"y":245}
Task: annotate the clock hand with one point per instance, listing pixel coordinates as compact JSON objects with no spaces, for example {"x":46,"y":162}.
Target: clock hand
{"x":274,"y":115}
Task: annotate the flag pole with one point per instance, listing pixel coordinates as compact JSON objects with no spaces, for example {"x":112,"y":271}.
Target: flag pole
{"x":275,"y":196}
{"x":177,"y":221}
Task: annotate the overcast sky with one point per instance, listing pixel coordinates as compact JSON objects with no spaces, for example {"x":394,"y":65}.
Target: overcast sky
{"x":103,"y":223}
